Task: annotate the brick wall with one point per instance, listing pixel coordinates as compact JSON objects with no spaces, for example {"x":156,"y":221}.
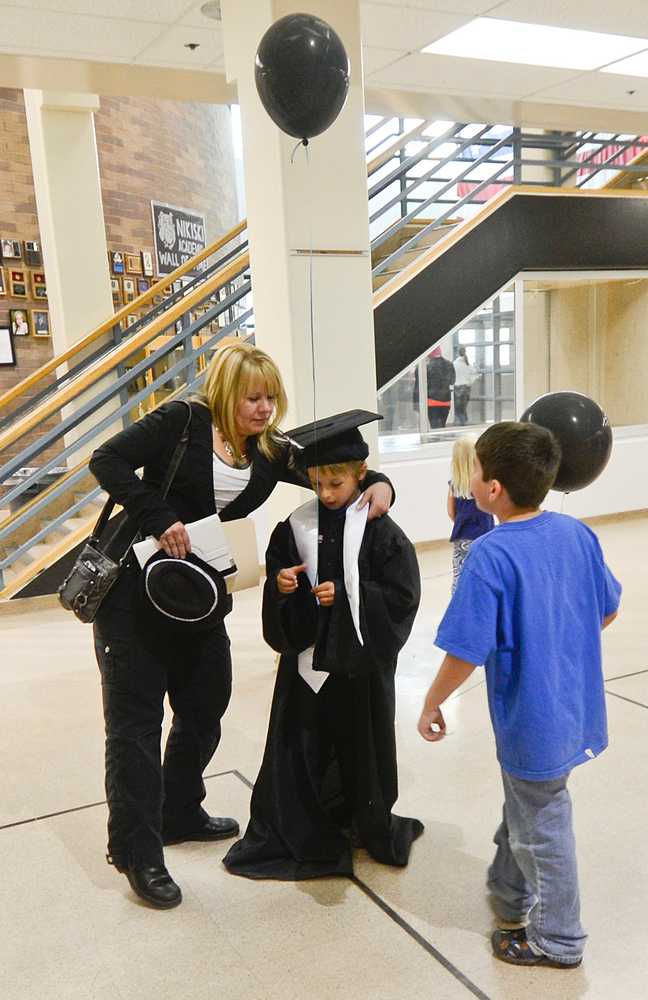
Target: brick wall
{"x":18,"y":220}
{"x":148,"y":150}
{"x":163,"y":151}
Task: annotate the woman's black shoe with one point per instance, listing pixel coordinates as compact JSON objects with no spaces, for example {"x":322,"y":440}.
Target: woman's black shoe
{"x":154,"y":886}
{"x":211,"y":828}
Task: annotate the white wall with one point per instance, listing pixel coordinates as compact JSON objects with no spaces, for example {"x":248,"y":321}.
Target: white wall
{"x":421,"y":485}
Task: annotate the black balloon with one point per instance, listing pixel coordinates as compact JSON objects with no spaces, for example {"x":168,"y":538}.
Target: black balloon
{"x":302,"y":74}
{"x":584,"y":434}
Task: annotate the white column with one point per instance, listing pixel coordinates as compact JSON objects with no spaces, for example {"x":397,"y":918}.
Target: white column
{"x":70,"y":211}
{"x":70,"y":218}
{"x":321,"y":204}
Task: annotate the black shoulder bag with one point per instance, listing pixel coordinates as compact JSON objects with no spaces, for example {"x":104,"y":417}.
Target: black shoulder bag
{"x":94,"y":571}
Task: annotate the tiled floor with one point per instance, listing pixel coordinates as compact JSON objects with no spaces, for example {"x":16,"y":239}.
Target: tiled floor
{"x":71,"y":929}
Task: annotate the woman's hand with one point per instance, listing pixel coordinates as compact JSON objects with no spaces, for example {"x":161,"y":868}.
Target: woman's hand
{"x":325,"y":593}
{"x":287,"y":578}
{"x":379,"y":497}
{"x":175,"y":541}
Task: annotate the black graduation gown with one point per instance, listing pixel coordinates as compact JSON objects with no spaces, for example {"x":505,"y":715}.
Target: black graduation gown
{"x":328,"y":779}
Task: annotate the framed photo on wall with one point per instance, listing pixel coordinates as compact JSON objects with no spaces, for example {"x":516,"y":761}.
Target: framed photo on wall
{"x":19,"y":320}
{"x":147,"y":263}
{"x":128,"y":285}
{"x":115,"y":288}
{"x":33,"y":255}
{"x":7,"y":353}
{"x":116,"y":261}
{"x":3,"y":289}
{"x":17,"y":284}
{"x":38,"y":284}
{"x":10,"y":249}
{"x":133,"y":263}
{"x":40,"y":322}
{"x":142,"y":285}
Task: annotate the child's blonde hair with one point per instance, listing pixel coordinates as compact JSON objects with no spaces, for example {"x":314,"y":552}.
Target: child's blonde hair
{"x":357,"y":467}
{"x":463,"y":460}
{"x":231,"y":371}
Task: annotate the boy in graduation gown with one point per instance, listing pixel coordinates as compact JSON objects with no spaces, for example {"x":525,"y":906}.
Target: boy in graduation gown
{"x":339,"y":602}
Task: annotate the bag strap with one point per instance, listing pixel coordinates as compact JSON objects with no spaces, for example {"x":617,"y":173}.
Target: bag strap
{"x":174,"y":464}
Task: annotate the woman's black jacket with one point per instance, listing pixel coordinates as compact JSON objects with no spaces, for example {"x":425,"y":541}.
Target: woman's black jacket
{"x":150,"y":444}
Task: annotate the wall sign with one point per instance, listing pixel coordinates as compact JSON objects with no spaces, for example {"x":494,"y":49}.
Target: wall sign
{"x":179,"y":234}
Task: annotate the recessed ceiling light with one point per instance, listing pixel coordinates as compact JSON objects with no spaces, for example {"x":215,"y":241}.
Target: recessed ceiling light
{"x":212,"y":9}
{"x":634,"y":66}
{"x":535,"y":44}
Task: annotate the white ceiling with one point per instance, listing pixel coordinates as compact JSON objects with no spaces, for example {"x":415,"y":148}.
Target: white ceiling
{"x":155,"y":33}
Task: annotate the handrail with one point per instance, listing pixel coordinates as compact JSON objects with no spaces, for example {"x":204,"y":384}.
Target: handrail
{"x":100,"y":368}
{"x":640,"y":160}
{"x":126,"y":310}
{"x":459,"y":232}
{"x":27,"y":507}
{"x":402,"y":140}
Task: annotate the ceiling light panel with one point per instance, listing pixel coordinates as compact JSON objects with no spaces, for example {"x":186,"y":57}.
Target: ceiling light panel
{"x":633,"y":66}
{"x":535,"y":44}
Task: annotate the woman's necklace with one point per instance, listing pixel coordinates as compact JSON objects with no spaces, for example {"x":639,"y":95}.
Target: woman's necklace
{"x":229,"y":450}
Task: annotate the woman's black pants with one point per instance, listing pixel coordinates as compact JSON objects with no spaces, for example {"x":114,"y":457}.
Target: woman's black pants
{"x":148,"y":799}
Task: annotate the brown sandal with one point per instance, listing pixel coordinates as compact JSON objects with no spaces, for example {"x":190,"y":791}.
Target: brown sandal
{"x":513,"y":947}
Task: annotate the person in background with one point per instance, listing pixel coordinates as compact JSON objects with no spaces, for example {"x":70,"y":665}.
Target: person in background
{"x":440,"y":376}
{"x":469,"y":521}
{"x":465,"y":375}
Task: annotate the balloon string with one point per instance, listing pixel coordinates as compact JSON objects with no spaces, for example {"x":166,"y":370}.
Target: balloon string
{"x":311,"y":311}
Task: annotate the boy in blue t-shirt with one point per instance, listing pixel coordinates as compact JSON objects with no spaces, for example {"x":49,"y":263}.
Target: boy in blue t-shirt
{"x":532,"y":599}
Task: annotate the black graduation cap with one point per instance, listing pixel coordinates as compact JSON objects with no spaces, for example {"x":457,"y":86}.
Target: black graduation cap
{"x":184,"y":594}
{"x":332,"y":440}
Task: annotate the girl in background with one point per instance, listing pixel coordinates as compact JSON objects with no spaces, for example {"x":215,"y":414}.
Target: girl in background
{"x":469,"y":521}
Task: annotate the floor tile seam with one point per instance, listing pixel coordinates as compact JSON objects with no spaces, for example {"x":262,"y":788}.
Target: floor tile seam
{"x":623,"y":697}
{"x":420,"y":940}
{"x":622,"y":677}
{"x":402,"y":923}
{"x":102,"y":802}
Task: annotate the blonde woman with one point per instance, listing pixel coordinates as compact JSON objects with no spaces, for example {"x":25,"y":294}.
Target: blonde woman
{"x":469,"y":521}
{"x":235,"y":457}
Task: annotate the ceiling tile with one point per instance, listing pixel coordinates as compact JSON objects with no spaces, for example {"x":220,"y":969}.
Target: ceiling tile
{"x":600,"y":89}
{"x":628,"y":18}
{"x":169,"y":48}
{"x":374,"y":58}
{"x":428,"y":72}
{"x":155,"y":11}
{"x":403,"y":27}
{"x":445,"y":6}
{"x":91,"y":37}
{"x":194,"y":18}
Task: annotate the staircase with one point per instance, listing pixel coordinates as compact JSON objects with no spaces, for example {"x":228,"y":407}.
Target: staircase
{"x":436,"y":257}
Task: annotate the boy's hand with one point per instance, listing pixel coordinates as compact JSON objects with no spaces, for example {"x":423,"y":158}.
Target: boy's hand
{"x":430,"y":718}
{"x":325,"y":593}
{"x":287,"y":578}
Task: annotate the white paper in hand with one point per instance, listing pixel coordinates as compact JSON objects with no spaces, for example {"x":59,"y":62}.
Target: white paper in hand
{"x":208,"y":542}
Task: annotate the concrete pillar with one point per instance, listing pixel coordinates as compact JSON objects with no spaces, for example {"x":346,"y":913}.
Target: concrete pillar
{"x":70,"y":217}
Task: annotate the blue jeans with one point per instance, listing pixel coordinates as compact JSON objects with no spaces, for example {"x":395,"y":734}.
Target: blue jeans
{"x":534,"y":871}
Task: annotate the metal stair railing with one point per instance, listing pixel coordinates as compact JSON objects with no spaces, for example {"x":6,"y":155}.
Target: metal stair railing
{"x":185,"y":366}
{"x":110,"y":333}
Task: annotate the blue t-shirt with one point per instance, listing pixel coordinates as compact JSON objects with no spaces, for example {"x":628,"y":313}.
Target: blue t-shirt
{"x":529,"y":605}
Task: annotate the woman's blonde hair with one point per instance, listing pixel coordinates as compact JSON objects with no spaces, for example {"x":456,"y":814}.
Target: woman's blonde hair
{"x":463,"y":460}
{"x":232,"y":370}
